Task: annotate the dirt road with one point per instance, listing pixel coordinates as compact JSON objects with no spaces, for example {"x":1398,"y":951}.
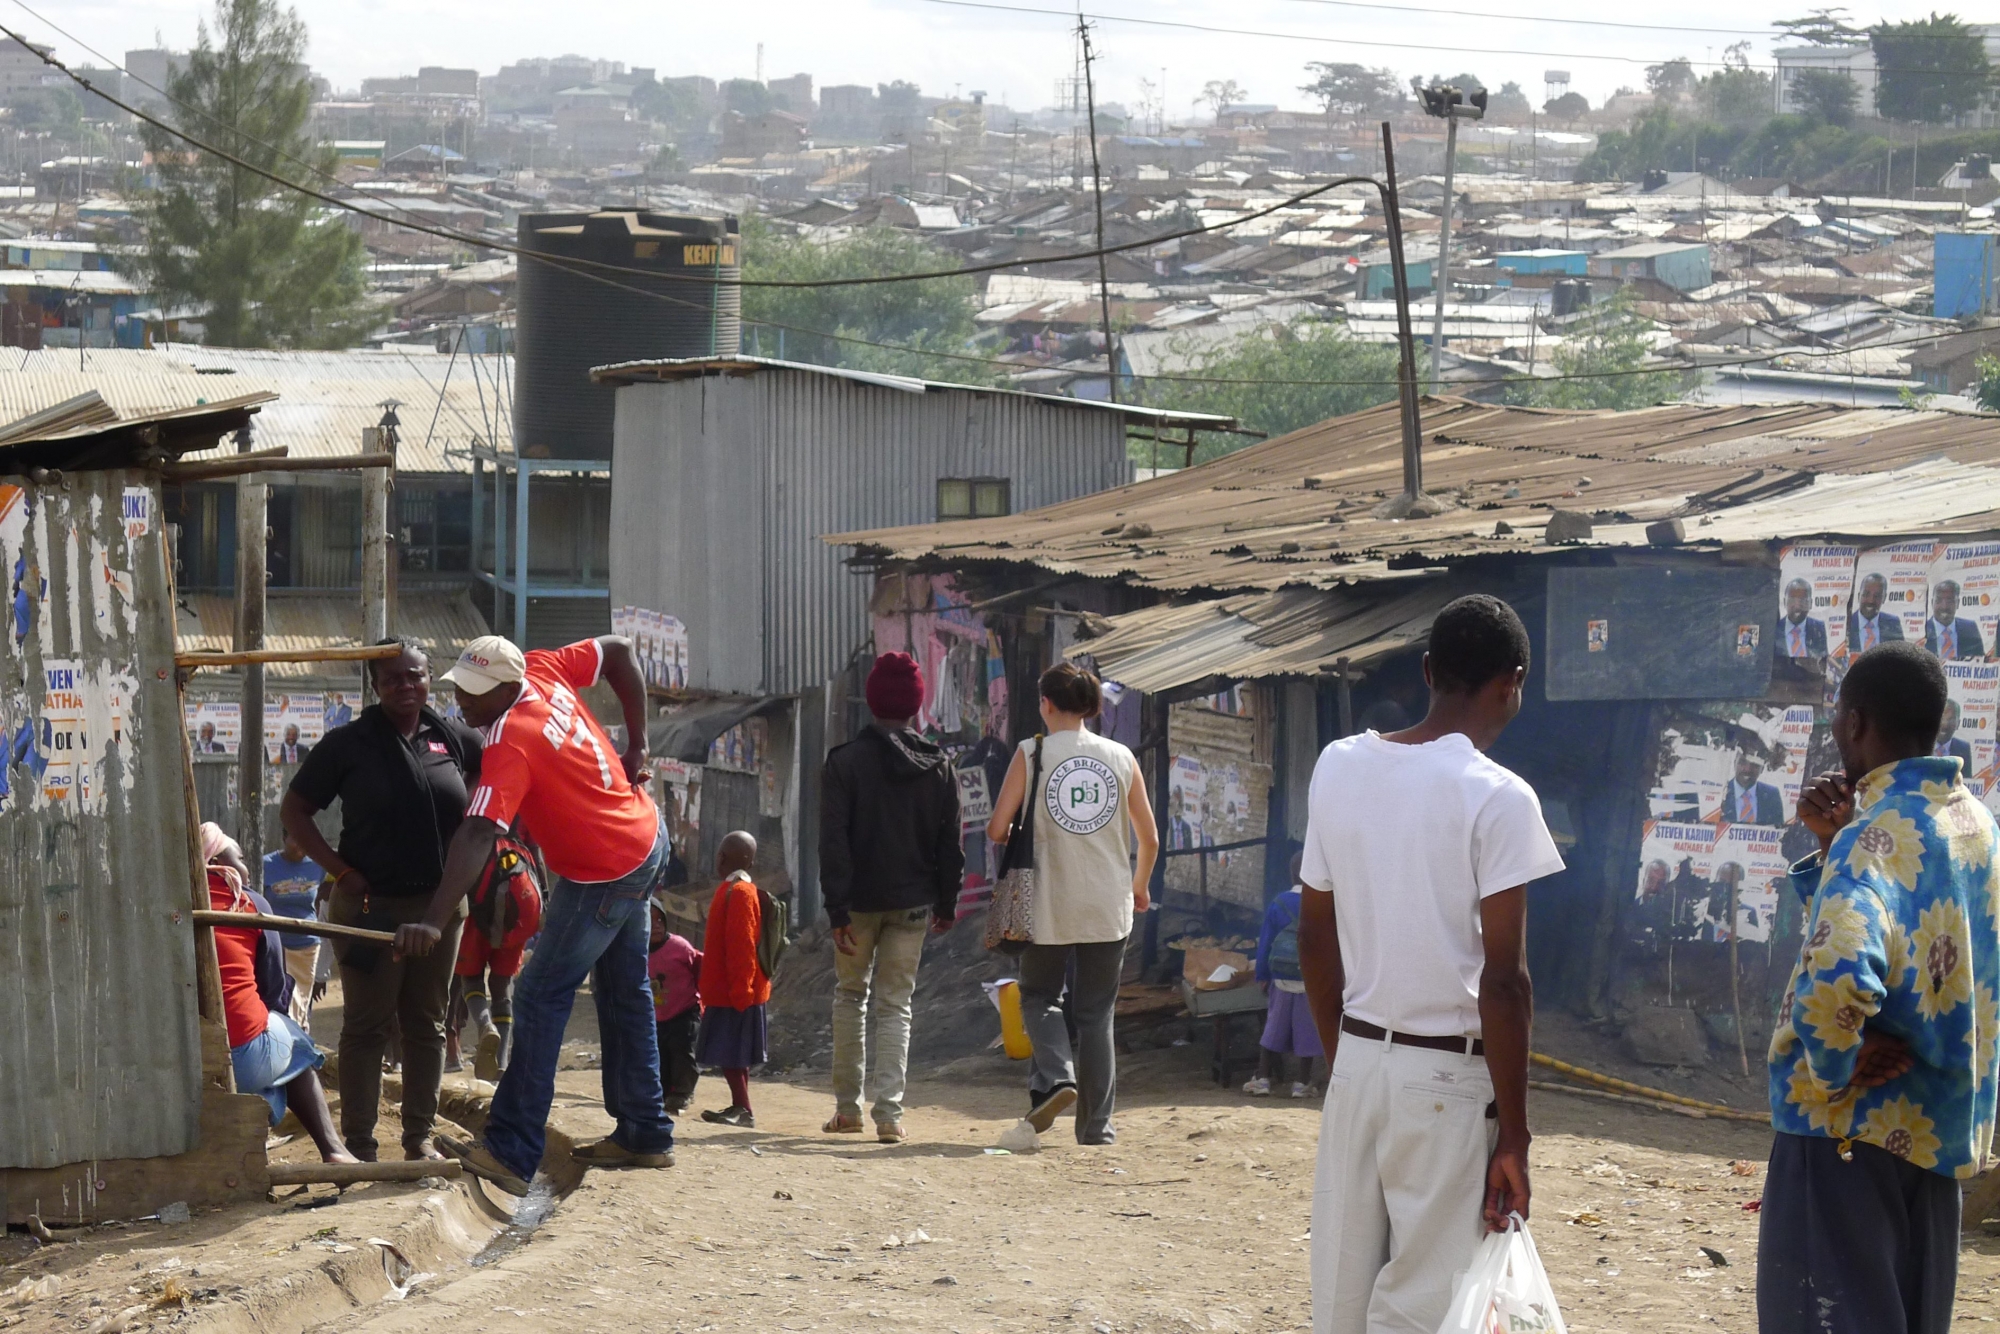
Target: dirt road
{"x":1195,"y":1221}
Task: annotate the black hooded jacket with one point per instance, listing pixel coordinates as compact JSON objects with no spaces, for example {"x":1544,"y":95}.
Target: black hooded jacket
{"x":888,"y":833}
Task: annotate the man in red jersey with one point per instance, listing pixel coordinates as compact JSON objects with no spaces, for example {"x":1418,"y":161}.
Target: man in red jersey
{"x":548,"y":764}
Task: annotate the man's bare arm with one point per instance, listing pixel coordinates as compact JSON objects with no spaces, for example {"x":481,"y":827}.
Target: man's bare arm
{"x":471,"y":847}
{"x":1506,"y":1019}
{"x":1319,"y":963}
{"x":621,"y":673}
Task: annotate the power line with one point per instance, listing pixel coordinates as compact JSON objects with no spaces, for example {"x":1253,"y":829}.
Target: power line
{"x":577,"y":264}
{"x":446,"y":233}
{"x":1345,"y":40}
{"x":1536,"y":18}
{"x":234,"y":130}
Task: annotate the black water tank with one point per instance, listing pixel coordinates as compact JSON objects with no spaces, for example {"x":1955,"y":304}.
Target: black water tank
{"x":572,"y":317}
{"x":1570,"y":296}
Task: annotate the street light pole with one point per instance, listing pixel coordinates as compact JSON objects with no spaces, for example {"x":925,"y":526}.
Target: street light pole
{"x":1445,"y":101}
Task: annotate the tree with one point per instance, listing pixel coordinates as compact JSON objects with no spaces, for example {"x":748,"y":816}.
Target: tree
{"x":1569,"y":108}
{"x":1736,"y":94}
{"x":1510,"y":103}
{"x":266,"y":264}
{"x":1598,"y":364}
{"x":1987,"y":391}
{"x":1929,"y":69}
{"x":1824,"y":27}
{"x":1827,"y":95}
{"x":931,"y":317}
{"x":1671,"y":80}
{"x":1221,"y":94}
{"x":746,"y":96}
{"x":56,"y":111}
{"x":1275,"y":381}
{"x":1349,"y":89}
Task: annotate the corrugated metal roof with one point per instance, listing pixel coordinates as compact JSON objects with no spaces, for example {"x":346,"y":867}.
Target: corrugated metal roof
{"x":325,"y":399}
{"x":1294,"y":632}
{"x":99,"y":1057}
{"x":443,"y":621}
{"x":683,"y":368}
{"x":1298,"y":510}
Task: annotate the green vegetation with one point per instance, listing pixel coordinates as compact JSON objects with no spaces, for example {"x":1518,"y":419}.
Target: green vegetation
{"x":1827,"y":95}
{"x":933,"y":317}
{"x":1306,"y":373}
{"x":1603,"y":353}
{"x":1987,"y":391}
{"x":1342,"y":88}
{"x":1930,"y":69}
{"x":267,"y":266}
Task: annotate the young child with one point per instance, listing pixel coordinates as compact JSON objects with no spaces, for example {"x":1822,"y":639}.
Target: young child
{"x":675,"y":967}
{"x":1289,"y":1028}
{"x":733,"y":988}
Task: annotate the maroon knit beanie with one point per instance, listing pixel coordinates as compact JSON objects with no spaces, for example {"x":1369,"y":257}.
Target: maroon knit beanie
{"x":895,"y":686}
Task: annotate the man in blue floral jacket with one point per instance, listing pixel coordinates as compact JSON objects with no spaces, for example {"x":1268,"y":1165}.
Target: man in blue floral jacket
{"x":1882,"y":1065}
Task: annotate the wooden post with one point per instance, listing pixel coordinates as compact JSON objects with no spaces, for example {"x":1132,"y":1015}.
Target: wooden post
{"x":374,"y":549}
{"x":252,"y":501}
{"x":1346,"y":698}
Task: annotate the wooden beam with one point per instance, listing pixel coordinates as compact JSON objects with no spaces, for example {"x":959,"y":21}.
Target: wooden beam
{"x":236,"y":658}
{"x":244,"y":464}
{"x":296,"y":926}
{"x":348,"y":1174}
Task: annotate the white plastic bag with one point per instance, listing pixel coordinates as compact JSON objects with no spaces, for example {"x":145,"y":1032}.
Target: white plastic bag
{"x":1506,"y":1291}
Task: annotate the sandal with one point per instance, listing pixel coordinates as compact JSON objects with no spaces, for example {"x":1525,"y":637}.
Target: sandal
{"x":842,"y":1125}
{"x":890,"y":1132}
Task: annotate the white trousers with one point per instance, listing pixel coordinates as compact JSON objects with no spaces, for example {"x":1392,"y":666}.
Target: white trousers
{"x":1403,"y":1150}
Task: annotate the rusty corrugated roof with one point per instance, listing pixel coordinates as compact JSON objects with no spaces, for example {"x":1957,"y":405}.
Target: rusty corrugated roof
{"x":1298,"y":510}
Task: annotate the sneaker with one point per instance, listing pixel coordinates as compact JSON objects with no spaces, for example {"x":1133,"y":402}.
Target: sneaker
{"x":890,"y":1132}
{"x":1259,"y":1087}
{"x":486,"y":1062}
{"x":731,"y":1116}
{"x":1301,"y":1091}
{"x":1059,"y":1100}
{"x":479,"y":1160}
{"x":608,"y":1152}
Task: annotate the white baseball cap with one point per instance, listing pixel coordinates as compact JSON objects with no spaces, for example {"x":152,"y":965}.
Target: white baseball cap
{"x":487,"y":663}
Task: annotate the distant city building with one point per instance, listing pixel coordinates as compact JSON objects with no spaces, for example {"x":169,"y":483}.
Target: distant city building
{"x":437,"y":81}
{"x":794,"y":94}
{"x":777,"y":132}
{"x":846,"y":101}
{"x":22,"y":70}
{"x":146,"y":76}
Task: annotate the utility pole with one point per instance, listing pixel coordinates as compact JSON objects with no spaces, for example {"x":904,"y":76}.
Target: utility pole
{"x":1413,"y":501}
{"x":252,"y":498}
{"x":1452,"y":105}
{"x":1097,"y":189}
{"x":375,"y":573}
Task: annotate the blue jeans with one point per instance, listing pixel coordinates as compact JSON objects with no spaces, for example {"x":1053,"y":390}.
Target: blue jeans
{"x":599,"y":931}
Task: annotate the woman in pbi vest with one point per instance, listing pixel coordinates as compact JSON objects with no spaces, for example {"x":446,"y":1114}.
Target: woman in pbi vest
{"x":1090,"y":812}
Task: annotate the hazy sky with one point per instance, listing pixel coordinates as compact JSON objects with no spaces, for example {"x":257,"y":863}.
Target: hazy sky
{"x":942,"y":47}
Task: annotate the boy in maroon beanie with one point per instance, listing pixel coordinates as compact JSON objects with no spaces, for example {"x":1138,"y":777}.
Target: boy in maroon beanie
{"x":890,"y":866}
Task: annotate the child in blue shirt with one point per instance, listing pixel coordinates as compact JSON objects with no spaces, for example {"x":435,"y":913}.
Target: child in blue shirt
{"x":1288,"y":1027}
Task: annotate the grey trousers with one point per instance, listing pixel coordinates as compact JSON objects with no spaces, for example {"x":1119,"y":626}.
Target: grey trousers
{"x":1862,"y":1247}
{"x":1093,"y":1000}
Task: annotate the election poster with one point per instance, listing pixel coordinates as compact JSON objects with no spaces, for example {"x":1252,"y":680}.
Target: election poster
{"x":1788,"y":765}
{"x":1672,"y":849}
{"x":1187,"y":801}
{"x":659,"y":642}
{"x":1892,"y":589}
{"x":1972,"y":701}
{"x":62,"y":741}
{"x":293,"y":725}
{"x":1965,"y":600}
{"x":1748,"y":860}
{"x":214,"y":726}
{"x":1814,"y":584}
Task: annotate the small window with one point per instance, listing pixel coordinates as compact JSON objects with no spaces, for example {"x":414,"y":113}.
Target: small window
{"x":974,"y":497}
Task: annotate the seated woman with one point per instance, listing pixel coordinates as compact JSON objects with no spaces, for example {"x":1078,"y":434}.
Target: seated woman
{"x":271,"y":1055}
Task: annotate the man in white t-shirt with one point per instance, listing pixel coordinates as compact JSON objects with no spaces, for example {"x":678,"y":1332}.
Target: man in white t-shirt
{"x":1412,"y":934}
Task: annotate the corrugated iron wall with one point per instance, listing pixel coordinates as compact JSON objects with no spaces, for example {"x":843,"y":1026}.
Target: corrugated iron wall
{"x":98,"y":1050}
{"x":723,"y":485}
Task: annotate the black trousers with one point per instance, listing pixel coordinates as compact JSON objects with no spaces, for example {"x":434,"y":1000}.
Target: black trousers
{"x":1862,"y":1247}
{"x":678,"y":1071}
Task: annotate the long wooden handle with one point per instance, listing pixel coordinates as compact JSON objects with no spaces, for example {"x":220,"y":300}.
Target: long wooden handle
{"x":291,"y":926}
{"x":236,"y":658}
{"x":348,"y":1174}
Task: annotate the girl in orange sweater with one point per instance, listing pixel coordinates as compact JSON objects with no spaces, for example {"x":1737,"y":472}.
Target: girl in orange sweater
{"x":733,"y":988}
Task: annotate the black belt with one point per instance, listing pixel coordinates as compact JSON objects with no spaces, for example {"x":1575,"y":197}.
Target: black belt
{"x":1361,"y":1028}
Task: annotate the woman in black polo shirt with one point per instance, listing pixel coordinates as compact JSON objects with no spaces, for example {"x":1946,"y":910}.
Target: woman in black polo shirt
{"x":401,"y":772}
